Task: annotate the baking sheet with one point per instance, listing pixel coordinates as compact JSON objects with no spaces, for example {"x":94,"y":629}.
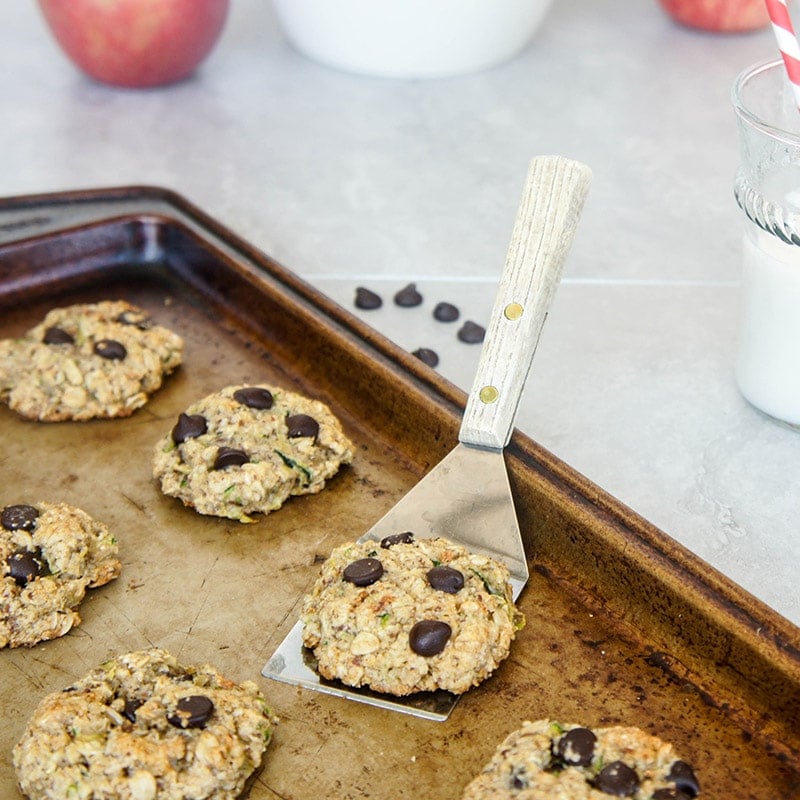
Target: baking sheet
{"x":624,"y":626}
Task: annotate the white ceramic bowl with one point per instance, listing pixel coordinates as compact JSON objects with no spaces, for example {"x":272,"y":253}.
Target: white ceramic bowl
{"x":410,"y":38}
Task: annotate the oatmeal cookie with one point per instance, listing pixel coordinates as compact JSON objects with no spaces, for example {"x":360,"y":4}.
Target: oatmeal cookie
{"x":407,"y":615}
{"x":49,"y":555}
{"x":87,"y":361}
{"x":247,"y":449}
{"x":547,"y":760}
{"x":142,"y":726}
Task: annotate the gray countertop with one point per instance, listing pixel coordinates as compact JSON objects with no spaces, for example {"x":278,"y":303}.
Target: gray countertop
{"x":351,"y":180}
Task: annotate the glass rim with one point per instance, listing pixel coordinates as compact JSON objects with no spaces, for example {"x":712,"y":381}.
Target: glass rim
{"x":748,"y":116}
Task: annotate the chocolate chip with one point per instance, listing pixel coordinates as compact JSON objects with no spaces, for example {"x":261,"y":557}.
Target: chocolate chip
{"x":19,"y":517}
{"x":429,"y":637}
{"x":397,"y":538}
{"x":56,"y":335}
{"x":367,"y":300}
{"x":576,"y":747}
{"x":518,"y":779}
{"x":446,"y":312}
{"x":617,"y":779}
{"x":110,"y":349}
{"x":230,"y":457}
{"x":189,"y":426}
{"x":427,"y":356}
{"x":671,"y":794}
{"x":446,"y":579}
{"x":136,"y":318}
{"x":408,"y":297}
{"x":301,"y":425}
{"x":192,"y":712}
{"x":129,"y":710}
{"x":254,"y":397}
{"x":682,"y":775}
{"x":363,"y":572}
{"x":25,"y":566}
{"x":471,"y":333}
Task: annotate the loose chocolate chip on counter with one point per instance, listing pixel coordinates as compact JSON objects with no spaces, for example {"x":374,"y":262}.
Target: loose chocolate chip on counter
{"x":446,"y":312}
{"x":136,"y":318}
{"x":192,"y":712}
{"x":471,"y":333}
{"x":110,"y":349}
{"x":56,"y":335}
{"x":301,"y":425}
{"x":617,"y":779}
{"x":230,"y":457}
{"x":129,"y":710}
{"x":363,"y":572}
{"x":19,"y":517}
{"x":427,"y":356}
{"x":189,"y":426}
{"x":397,"y":538}
{"x":254,"y":397}
{"x":429,"y":637}
{"x":576,"y":747}
{"x":25,"y":566}
{"x":408,"y":297}
{"x":446,"y":579}
{"x":367,"y":300}
{"x":682,"y":775}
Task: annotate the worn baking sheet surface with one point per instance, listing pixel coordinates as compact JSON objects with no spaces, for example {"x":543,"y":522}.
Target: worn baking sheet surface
{"x":624,"y":627}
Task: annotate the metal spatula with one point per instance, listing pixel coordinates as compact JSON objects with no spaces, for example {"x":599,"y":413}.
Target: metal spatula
{"x":467,"y":497}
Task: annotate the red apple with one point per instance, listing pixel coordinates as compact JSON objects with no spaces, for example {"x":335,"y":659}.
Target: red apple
{"x":136,"y":43}
{"x":726,"y":16}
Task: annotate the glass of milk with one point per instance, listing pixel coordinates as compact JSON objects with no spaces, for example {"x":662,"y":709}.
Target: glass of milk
{"x":767,"y":188}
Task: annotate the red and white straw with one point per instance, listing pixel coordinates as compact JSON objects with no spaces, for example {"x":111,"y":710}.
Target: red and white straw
{"x":787,"y":42}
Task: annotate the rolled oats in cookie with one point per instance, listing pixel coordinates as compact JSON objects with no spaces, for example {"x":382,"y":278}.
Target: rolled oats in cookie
{"x":49,"y":555}
{"x":87,"y":361}
{"x":410,"y":615}
{"x":143,"y":726}
{"x":246,"y":449}
{"x":549,"y":760}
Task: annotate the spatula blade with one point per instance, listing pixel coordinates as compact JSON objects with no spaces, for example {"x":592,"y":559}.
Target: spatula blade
{"x":466,"y":498}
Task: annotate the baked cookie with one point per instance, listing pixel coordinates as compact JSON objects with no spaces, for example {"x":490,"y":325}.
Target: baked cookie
{"x":87,"y":361}
{"x":407,"y":615}
{"x":246,"y":449}
{"x":142,"y":726}
{"x":49,"y":555}
{"x":548,"y":760}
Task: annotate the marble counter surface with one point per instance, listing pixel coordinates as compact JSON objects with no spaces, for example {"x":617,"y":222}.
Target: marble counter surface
{"x":350,"y":180}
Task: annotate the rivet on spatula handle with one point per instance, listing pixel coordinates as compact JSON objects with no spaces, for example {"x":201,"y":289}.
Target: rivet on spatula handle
{"x":548,"y":215}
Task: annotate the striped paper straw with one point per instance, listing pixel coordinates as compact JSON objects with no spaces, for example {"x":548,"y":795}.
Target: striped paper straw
{"x":787,"y":42}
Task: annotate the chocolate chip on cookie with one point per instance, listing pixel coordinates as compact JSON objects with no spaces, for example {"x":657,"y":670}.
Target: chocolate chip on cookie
{"x":193,"y":711}
{"x":254,"y":397}
{"x":189,"y":426}
{"x":25,"y":566}
{"x":230,"y":457}
{"x":54,"y":335}
{"x":445,"y":579}
{"x":429,"y":637}
{"x":19,"y":517}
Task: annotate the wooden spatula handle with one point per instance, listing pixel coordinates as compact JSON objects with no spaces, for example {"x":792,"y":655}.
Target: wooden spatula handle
{"x":551,"y":205}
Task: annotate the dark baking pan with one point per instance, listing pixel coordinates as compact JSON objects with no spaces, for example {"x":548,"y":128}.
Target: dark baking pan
{"x":624,"y":625}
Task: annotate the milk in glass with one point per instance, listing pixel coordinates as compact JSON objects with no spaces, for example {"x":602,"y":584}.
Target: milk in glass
{"x":768,"y":360}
